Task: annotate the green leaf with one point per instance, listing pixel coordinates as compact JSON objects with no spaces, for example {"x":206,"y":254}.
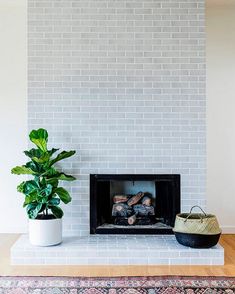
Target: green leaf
{"x":22,"y":170}
{"x":42,"y":200}
{"x":33,"y":210}
{"x":43,"y":159}
{"x":33,"y":153}
{"x":57,"y":211}
{"x":39,"y":138}
{"x":62,"y":155}
{"x":31,"y":206}
{"x":53,"y":181}
{"x":20,"y":187}
{"x":39,"y":156}
{"x":54,"y":202}
{"x":30,"y":199}
{"x":52,"y":151}
{"x":63,"y":194}
{"x":30,"y":187}
{"x":46,"y":191}
{"x":64,"y":177}
{"x":34,"y":167}
{"x":51,"y":172}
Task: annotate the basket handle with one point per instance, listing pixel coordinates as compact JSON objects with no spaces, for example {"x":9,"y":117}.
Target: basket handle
{"x":198,"y":214}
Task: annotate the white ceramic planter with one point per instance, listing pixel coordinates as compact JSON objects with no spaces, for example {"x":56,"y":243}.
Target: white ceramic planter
{"x":45,"y":232}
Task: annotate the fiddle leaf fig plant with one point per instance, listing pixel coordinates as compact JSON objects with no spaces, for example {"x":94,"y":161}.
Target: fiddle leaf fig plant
{"x":42,"y":193}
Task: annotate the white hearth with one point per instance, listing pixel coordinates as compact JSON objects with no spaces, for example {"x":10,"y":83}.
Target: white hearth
{"x":115,"y":250}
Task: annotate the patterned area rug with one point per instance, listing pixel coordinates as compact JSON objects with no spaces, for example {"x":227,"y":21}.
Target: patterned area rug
{"x":123,"y":285}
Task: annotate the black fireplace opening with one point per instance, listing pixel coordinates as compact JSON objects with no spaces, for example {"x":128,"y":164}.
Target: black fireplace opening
{"x":133,"y":204}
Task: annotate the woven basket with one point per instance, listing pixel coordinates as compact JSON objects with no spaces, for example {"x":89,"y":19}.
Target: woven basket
{"x":197,"y":223}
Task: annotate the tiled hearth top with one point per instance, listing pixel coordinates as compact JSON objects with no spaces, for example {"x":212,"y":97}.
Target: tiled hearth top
{"x":115,"y":250}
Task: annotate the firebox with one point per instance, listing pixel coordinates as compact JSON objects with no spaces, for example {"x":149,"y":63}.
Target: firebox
{"x":133,"y":204}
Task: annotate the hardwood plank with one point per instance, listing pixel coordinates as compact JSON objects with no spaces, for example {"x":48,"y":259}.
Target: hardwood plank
{"x":6,"y":241}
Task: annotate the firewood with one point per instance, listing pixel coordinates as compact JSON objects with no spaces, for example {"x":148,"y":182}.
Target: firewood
{"x":123,"y":221}
{"x":120,"y":198}
{"x":146,"y":200}
{"x":132,"y":219}
{"x":122,"y":209}
{"x":135,"y":199}
{"x":143,"y":210}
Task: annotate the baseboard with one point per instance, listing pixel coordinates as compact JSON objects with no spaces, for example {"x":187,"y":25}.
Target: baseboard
{"x":228,"y":229}
{"x":14,"y":230}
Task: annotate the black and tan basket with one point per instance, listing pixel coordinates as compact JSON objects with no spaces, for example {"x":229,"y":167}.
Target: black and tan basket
{"x":197,"y":230}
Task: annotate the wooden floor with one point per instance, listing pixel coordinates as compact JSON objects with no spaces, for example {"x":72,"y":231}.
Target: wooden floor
{"x":6,"y":241}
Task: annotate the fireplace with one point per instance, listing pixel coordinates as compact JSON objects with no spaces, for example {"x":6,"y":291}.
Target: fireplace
{"x":133,"y":204}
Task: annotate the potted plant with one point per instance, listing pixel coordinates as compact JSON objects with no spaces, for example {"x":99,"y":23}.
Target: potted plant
{"x":43,"y":195}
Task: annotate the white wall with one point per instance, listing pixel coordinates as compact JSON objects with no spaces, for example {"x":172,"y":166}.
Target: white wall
{"x":221,"y":111}
{"x":13,"y":115}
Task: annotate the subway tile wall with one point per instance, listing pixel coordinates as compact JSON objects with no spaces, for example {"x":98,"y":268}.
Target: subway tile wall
{"x":123,"y":83}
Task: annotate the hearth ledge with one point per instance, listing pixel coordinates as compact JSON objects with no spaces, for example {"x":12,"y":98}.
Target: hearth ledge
{"x":115,"y":250}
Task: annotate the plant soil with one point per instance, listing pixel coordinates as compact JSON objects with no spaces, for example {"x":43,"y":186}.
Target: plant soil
{"x":45,"y":217}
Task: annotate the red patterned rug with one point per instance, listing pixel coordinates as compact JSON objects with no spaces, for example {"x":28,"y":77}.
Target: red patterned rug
{"x":123,"y":285}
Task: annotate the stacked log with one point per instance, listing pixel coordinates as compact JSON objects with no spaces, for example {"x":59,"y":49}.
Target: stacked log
{"x":135,"y":199}
{"x":120,"y":198}
{"x":132,"y":209}
{"x":132,"y":219}
{"x":143,"y":210}
{"x":121,"y":209}
{"x":146,"y":200}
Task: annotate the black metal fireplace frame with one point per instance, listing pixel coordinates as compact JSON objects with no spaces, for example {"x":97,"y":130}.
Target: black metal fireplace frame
{"x":94,"y":225}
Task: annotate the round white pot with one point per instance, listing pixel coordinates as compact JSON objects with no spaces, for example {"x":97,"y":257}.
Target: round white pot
{"x":46,"y":232}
